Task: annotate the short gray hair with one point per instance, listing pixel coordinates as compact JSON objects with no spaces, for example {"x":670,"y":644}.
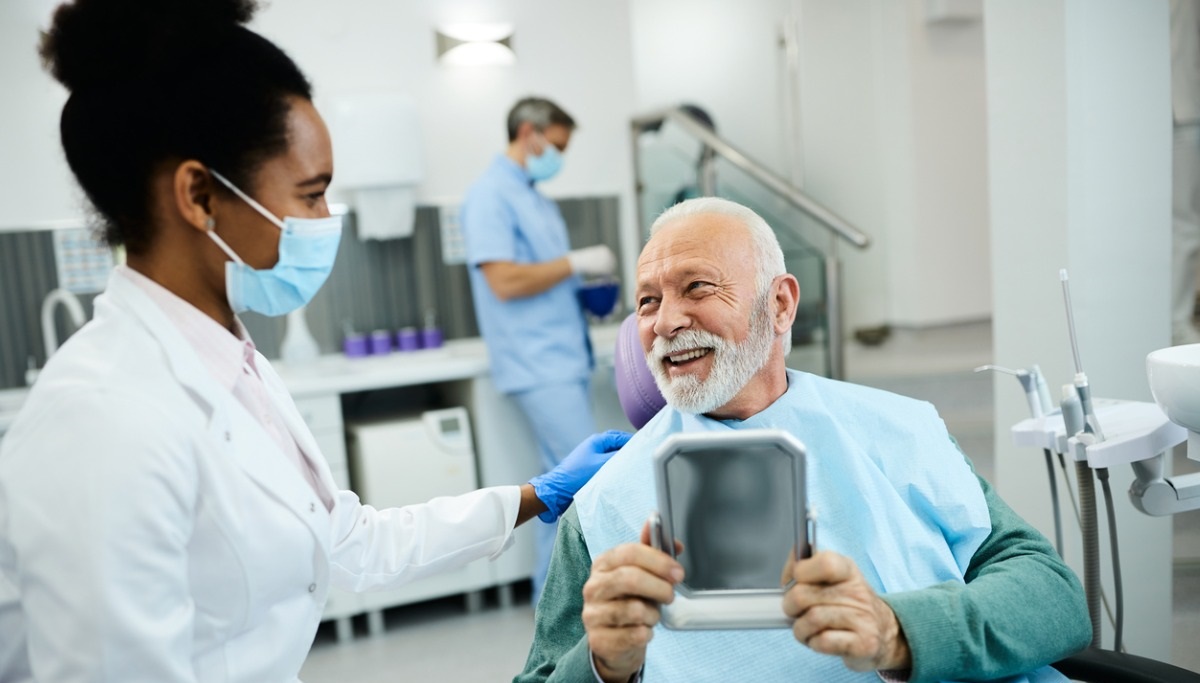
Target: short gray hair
{"x":539,"y":111}
{"x":768,"y":255}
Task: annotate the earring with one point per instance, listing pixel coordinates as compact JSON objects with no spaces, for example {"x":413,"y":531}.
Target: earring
{"x":210,"y":223}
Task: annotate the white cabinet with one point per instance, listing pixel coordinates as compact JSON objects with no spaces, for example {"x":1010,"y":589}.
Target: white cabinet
{"x":410,"y":460}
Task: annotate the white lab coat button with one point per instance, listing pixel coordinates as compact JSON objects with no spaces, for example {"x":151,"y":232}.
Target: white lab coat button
{"x":227,"y":436}
{"x":312,"y":507}
{"x":312,"y":588}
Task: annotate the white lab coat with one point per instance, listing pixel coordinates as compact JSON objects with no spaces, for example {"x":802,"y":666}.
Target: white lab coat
{"x":151,"y":530}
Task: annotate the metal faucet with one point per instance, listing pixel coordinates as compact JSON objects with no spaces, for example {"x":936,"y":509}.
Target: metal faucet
{"x":74,"y":310}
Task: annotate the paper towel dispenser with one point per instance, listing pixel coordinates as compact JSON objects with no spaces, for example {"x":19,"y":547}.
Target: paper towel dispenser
{"x":378,"y":159}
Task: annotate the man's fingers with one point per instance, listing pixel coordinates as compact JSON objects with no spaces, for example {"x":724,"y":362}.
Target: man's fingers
{"x":824,"y":567}
{"x":622,"y":613}
{"x":831,"y":617}
{"x":640,"y":555}
{"x":856,"y":654}
{"x":621,"y":604}
{"x":847,"y":632}
{"x":645,"y":539}
{"x":627,"y":582}
{"x":622,"y":639}
{"x":802,"y":597}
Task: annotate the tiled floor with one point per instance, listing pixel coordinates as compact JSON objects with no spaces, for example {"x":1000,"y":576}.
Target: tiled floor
{"x":439,"y":640}
{"x":433,"y":641}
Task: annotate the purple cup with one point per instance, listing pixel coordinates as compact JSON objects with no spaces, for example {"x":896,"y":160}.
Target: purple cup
{"x":355,"y":345}
{"x":407,"y":339}
{"x":381,"y":342}
{"x":431,"y":337}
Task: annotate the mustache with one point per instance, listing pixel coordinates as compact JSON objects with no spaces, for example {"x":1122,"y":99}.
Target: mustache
{"x":688,"y":339}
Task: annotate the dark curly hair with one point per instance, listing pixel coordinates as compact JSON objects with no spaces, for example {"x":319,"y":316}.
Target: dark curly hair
{"x":160,"y":81}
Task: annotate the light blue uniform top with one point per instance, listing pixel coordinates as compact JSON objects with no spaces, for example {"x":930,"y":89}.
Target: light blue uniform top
{"x":535,"y":340}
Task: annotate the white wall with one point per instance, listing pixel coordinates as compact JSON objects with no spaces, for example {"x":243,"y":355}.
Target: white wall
{"x":1080,"y":138}
{"x":948,"y":269}
{"x":723,"y":56}
{"x":893,"y":116}
{"x":884,"y":122}
{"x":845,"y":156}
{"x":577,"y":53}
{"x":33,"y":173}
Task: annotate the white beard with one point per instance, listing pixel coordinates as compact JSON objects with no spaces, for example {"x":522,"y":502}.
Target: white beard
{"x":734,"y":364}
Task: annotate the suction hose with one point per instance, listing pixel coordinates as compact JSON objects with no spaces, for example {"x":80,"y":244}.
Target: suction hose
{"x":1091,"y":545}
{"x":1119,"y":627}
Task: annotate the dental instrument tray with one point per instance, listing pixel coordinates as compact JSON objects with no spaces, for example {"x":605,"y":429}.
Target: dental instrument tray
{"x":735,"y":501}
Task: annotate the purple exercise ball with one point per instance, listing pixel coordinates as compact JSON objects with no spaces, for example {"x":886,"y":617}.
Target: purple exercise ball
{"x":639,"y":395}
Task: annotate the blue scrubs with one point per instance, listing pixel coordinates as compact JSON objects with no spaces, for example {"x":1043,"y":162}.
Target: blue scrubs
{"x":561,"y":417}
{"x":538,"y":345}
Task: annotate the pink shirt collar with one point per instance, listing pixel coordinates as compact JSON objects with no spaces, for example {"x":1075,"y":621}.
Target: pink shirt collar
{"x":222,"y":352}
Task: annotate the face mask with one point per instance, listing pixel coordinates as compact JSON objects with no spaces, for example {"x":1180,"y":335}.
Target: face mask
{"x":307,"y":249}
{"x":545,"y":165}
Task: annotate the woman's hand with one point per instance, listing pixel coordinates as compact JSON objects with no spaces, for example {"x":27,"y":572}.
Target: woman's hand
{"x":556,"y":488}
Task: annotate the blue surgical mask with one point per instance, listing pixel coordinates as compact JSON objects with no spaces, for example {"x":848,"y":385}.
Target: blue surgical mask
{"x":546,"y":165}
{"x":307,"y":250}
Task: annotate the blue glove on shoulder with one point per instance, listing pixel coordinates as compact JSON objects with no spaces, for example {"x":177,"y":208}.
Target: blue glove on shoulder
{"x":557,"y":487}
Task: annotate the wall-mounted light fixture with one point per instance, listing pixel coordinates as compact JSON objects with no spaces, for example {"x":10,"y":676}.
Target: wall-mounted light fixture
{"x":475,"y":44}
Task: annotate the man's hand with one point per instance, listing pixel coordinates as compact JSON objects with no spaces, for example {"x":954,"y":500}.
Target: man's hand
{"x":837,"y":613}
{"x":621,"y":605}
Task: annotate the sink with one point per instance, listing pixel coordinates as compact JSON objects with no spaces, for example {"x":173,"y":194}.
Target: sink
{"x":1174,"y":375}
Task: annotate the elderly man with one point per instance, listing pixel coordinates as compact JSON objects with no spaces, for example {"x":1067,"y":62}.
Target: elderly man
{"x":923,"y":572}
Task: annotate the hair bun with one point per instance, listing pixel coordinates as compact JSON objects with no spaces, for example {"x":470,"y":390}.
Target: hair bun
{"x":91,"y":42}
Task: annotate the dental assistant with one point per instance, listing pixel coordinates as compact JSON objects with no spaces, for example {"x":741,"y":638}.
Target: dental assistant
{"x":524,"y":281}
{"x":165,"y":514}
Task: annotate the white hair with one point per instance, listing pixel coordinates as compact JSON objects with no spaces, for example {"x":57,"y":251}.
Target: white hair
{"x":768,"y":255}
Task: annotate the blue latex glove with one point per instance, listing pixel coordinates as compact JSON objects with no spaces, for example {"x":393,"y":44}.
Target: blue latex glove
{"x":557,"y":487}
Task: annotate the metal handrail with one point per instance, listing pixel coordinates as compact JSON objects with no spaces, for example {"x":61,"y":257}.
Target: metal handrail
{"x":718,"y":146}
{"x":771,"y":180}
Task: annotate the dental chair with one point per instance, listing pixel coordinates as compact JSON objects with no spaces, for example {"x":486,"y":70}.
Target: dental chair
{"x":1105,"y":666}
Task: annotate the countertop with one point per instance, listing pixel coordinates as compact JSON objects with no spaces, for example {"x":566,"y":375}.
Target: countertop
{"x":458,"y":359}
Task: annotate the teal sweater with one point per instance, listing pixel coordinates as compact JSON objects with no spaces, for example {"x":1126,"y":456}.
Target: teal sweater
{"x":1021,"y":608}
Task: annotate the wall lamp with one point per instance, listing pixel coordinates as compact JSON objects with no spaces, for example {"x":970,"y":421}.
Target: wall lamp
{"x":475,"y":44}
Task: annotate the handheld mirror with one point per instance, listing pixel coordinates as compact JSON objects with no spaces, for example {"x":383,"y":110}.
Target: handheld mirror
{"x":736,"y":502}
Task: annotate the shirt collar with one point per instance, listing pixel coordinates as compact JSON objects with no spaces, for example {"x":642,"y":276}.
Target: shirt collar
{"x":222,"y":352}
{"x":517,"y":171}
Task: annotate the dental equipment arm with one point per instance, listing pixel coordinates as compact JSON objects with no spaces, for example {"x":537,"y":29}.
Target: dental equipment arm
{"x":1072,"y":413}
{"x":1091,"y":424}
{"x":1037,"y":397}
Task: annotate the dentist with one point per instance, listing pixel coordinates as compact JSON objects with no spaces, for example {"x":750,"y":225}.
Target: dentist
{"x":165,"y":514}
